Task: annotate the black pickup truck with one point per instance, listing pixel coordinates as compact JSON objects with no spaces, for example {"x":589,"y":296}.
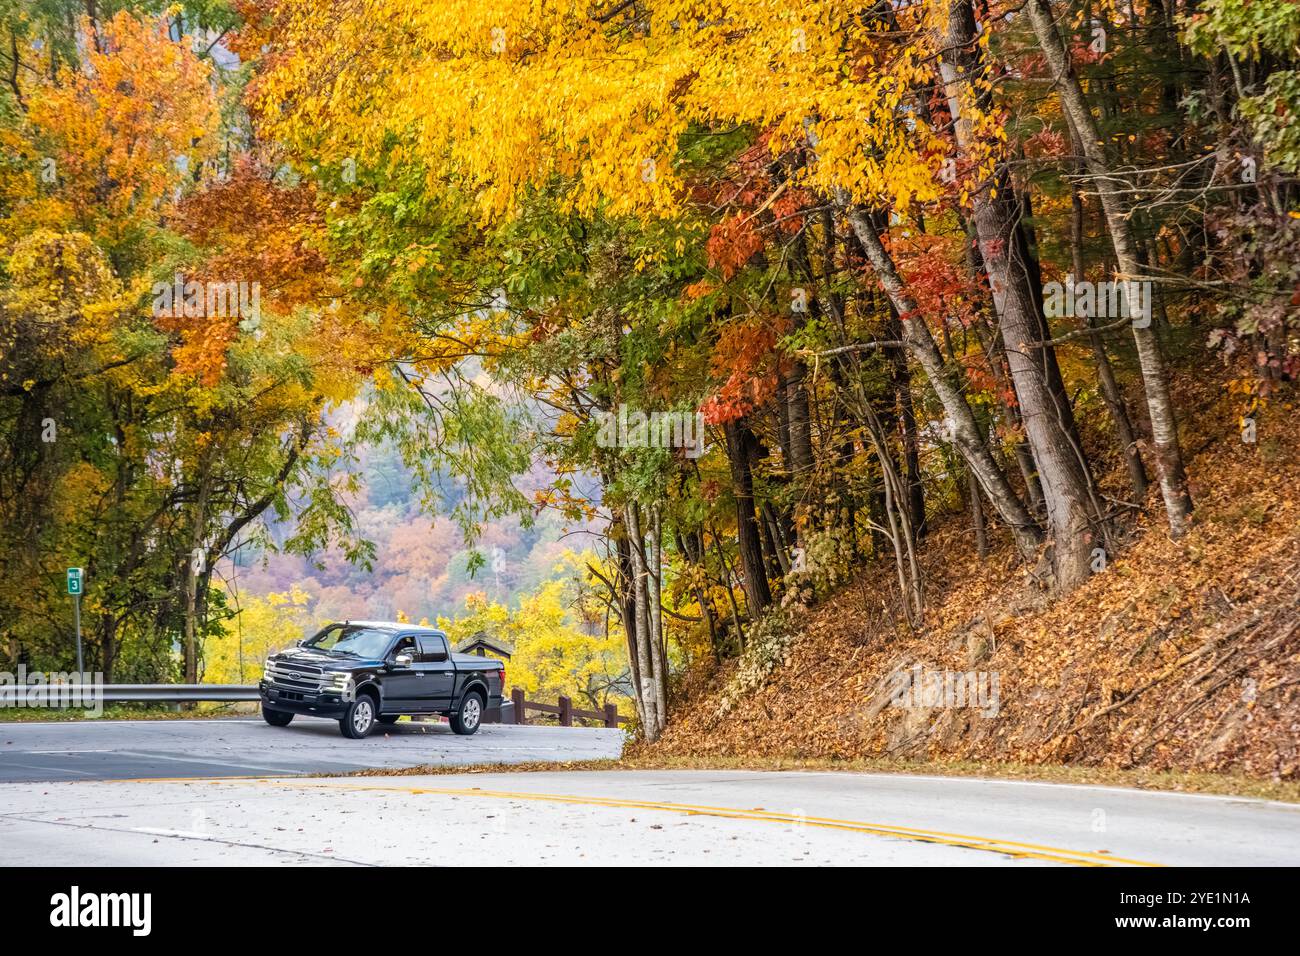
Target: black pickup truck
{"x":365,"y":672}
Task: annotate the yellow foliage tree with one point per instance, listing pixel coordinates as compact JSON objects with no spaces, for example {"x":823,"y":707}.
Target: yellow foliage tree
{"x":558,"y":640}
{"x":260,"y":627}
{"x":503,"y":95}
{"x":120,"y":135}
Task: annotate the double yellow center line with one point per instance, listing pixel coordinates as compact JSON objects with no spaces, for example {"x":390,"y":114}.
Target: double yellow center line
{"x":1012,"y":848}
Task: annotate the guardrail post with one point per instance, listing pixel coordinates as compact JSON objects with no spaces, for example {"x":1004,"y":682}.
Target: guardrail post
{"x":566,"y":712}
{"x":611,"y":716}
{"x":517,"y":695}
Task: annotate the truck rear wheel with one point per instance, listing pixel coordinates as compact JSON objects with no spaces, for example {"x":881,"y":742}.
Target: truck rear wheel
{"x":468,"y":715}
{"x":359,"y":719}
{"x":276,"y":718}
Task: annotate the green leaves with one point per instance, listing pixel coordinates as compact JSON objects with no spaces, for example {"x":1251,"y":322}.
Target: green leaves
{"x":1245,"y":28}
{"x":463,"y":443}
{"x":1274,"y":116}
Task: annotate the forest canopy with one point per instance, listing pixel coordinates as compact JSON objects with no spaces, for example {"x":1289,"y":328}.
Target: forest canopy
{"x":750,"y":295}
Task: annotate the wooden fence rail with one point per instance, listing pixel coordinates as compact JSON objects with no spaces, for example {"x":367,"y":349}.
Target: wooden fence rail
{"x":564,"y":710}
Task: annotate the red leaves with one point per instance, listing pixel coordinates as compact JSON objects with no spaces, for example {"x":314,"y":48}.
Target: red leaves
{"x":745,"y":354}
{"x":941,"y":287}
{"x":982,"y":379}
{"x":1046,"y":142}
{"x":731,"y":244}
{"x":786,"y":208}
{"x":1082,"y":52}
{"x":254,"y":228}
{"x":253,"y":232}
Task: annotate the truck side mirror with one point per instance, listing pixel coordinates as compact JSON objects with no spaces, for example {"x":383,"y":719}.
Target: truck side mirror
{"x":403,"y":660}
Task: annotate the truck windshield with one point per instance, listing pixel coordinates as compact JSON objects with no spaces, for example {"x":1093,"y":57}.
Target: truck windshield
{"x":347,"y":639}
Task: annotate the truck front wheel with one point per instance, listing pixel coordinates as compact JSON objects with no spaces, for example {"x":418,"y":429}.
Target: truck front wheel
{"x":469,"y":715}
{"x":276,"y":718}
{"x":359,"y":719}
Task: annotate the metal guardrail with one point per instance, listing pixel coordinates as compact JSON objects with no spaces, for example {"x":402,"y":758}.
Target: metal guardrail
{"x":513,"y":710}
{"x":36,"y":695}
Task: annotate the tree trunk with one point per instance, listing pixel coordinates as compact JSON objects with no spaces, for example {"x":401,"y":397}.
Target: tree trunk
{"x":899,"y":529}
{"x":995,"y":354}
{"x":1110,"y":391}
{"x":655,"y":615}
{"x":902,"y":382}
{"x":977,"y":515}
{"x":796,"y":396}
{"x":1048,"y":420}
{"x":107,"y":645}
{"x":1164,"y":424}
{"x":727,"y":577}
{"x":692,"y":551}
{"x":961,"y":420}
{"x":193,"y":573}
{"x":648,"y":687}
{"x":799,"y":268}
{"x":628,"y":610}
{"x":757,"y":593}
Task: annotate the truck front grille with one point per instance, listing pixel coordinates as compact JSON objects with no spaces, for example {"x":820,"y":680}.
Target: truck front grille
{"x":299,"y":677}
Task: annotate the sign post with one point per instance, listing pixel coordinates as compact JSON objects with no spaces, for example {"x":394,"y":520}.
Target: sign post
{"x":74,"y":588}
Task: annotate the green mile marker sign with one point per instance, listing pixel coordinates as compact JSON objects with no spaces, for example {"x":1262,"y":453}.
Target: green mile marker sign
{"x":74,"y":580}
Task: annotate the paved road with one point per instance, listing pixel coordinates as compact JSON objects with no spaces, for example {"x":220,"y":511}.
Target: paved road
{"x":123,"y":749}
{"x":634,"y":818}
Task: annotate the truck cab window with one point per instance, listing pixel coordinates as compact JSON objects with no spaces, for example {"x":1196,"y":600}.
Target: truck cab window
{"x":354,"y":640}
{"x":404,"y":645}
{"x":433,"y":648}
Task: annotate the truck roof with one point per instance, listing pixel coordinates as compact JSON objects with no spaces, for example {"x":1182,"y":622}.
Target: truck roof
{"x":391,"y":626}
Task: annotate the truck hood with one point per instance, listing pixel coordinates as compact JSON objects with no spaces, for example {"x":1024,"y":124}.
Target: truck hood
{"x":324,"y":659}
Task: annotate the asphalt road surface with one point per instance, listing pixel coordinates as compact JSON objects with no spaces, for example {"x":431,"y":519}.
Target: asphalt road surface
{"x":635,"y":817}
{"x":229,"y":792}
{"x":127,"y":749}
